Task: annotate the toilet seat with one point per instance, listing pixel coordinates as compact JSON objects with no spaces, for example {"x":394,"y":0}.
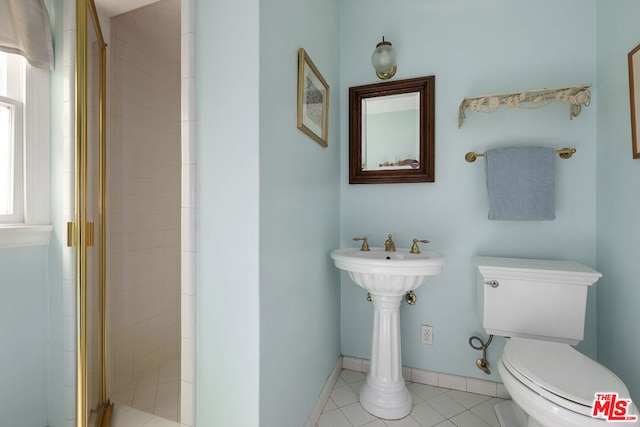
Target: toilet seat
{"x":559,"y":373}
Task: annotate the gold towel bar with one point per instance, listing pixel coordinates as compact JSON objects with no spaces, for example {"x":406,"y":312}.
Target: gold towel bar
{"x":564,"y":153}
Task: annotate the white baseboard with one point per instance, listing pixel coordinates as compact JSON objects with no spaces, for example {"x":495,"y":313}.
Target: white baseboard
{"x":324,"y":395}
{"x":438,"y":379}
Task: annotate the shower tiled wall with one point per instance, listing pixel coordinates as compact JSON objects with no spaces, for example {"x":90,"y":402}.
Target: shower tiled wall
{"x":144,"y":169}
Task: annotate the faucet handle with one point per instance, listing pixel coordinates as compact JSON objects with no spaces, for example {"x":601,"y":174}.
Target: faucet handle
{"x":414,"y":248}
{"x":389,"y":246}
{"x":365,"y":244}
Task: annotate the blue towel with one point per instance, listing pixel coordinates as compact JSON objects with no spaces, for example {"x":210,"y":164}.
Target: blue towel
{"x":521,"y":183}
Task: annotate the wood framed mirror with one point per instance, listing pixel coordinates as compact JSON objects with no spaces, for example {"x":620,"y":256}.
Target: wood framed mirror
{"x":392,"y":132}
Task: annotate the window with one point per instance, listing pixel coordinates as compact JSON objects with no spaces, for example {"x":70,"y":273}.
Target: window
{"x":11,"y":139}
{"x":24,"y":153}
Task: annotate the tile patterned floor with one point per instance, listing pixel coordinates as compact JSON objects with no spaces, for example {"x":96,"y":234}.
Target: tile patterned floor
{"x":157,"y":392}
{"x":432,"y":406}
{"x":125,"y":416}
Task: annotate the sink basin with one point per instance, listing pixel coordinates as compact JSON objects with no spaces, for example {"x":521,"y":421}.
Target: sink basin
{"x":388,"y":273}
{"x":387,"y":276}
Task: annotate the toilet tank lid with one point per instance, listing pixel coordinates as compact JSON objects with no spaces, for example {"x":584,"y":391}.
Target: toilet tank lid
{"x":536,"y":269}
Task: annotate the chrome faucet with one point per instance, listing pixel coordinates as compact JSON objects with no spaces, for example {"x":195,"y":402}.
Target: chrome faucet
{"x":389,"y":246}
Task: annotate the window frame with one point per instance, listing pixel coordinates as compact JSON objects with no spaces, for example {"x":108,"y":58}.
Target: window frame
{"x":17,"y":175}
{"x":33,"y":227}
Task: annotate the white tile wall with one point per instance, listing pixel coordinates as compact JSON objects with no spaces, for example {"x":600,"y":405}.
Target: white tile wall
{"x":188,"y":102}
{"x":144,"y":188}
{"x":68,"y":203}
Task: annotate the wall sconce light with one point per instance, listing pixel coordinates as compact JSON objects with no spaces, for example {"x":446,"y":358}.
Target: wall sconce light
{"x":383,"y":60}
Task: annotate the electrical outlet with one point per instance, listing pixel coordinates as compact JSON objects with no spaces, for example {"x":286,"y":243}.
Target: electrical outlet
{"x":426,"y":334}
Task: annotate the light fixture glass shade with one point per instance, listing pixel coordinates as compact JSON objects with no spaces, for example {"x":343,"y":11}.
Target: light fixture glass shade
{"x":383,"y":60}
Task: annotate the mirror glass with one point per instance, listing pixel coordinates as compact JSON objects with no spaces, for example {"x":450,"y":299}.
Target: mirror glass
{"x":391,"y":132}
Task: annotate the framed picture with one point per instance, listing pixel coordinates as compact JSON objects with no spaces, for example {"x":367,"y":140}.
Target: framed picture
{"x":313,"y":100}
{"x":634,"y":92}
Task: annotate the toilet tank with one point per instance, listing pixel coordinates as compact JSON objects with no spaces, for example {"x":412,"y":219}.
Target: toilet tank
{"x":539,"y":299}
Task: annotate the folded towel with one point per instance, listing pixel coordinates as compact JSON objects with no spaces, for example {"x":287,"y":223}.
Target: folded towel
{"x":521,"y":183}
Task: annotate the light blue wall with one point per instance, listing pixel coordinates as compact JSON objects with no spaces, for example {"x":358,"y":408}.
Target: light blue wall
{"x":268,"y":215}
{"x":299,"y":214}
{"x":31,"y":354}
{"x":23,"y":337}
{"x":472,"y":48}
{"x":618,"y":237}
{"x":228,"y":283}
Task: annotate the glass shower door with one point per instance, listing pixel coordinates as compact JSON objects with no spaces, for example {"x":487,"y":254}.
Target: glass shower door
{"x":94,"y":407}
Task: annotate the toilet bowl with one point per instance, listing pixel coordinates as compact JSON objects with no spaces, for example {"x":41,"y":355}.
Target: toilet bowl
{"x":555,"y":385}
{"x":539,"y":306}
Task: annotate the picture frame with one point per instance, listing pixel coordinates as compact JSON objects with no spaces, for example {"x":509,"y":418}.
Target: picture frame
{"x":634,"y":94}
{"x":313,"y":100}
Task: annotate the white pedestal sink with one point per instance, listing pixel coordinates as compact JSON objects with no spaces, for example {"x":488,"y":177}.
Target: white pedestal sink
{"x":388,"y":276}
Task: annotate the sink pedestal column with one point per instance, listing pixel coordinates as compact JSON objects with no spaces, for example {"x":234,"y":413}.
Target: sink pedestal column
{"x":384,"y":393}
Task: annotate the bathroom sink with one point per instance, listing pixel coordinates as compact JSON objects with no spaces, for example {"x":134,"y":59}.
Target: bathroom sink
{"x":388,"y":273}
{"x":387,"y":276}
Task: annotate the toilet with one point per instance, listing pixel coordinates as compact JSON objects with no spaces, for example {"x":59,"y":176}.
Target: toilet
{"x":539,"y":307}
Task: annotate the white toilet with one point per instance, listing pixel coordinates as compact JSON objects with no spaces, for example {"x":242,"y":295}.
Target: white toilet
{"x":540,"y":307}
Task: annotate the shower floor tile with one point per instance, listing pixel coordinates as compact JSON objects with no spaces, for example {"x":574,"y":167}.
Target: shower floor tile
{"x":156,"y":392}
{"x":125,"y":416}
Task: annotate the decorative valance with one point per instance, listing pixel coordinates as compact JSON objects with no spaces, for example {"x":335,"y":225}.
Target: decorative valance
{"x":577,"y":96}
{"x":25,"y":30}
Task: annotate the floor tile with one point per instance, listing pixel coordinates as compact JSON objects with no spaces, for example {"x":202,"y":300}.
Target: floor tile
{"x":352,"y":376}
{"x":329,"y":406}
{"x":404,"y":422}
{"x":426,"y":415}
{"x":357,"y":415}
{"x":432,"y":407}
{"x":468,"y":400}
{"x":160,"y":422}
{"x":446,"y":405}
{"x":356,"y":387}
{"x":155,"y":392}
{"x":468,"y":419}
{"x":124,"y":416}
{"x":486,"y":412}
{"x":144,"y":404}
{"x":166,"y":411}
{"x":425,"y":392}
{"x":340,"y":383}
{"x":334,"y":418}
{"x":343,"y":396}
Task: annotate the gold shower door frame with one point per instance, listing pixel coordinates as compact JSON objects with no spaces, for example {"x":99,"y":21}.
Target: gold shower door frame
{"x":81,"y":232}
